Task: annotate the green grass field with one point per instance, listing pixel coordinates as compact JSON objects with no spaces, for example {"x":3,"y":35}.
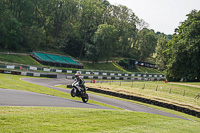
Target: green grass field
{"x":20,"y":59}
{"x":72,"y":120}
{"x":170,"y":93}
{"x":144,"y":104}
{"x":54,"y":119}
{"x":101,"y":66}
{"x":147,"y":70}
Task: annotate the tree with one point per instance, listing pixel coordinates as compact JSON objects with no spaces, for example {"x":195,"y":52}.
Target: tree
{"x":124,"y":21}
{"x":77,"y":27}
{"x":123,"y":63}
{"x":105,"y":40}
{"x":35,"y":38}
{"x":146,"y":43}
{"x":11,"y":35}
{"x":92,"y":53}
{"x":184,"y":50}
{"x":160,"y":55}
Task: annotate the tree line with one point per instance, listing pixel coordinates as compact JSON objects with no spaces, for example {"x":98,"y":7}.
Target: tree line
{"x":95,"y":29}
{"x":180,"y":56}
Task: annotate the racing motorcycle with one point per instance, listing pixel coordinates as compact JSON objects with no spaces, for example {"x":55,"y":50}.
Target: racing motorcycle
{"x":79,"y":91}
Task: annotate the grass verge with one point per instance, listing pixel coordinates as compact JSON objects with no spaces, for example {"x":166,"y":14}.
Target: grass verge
{"x":145,"y":104}
{"x":8,"y":81}
{"x":168,"y":93}
{"x":20,"y":59}
{"x":49,"y":119}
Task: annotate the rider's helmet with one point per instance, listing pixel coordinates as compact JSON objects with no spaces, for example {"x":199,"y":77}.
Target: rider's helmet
{"x":77,"y":75}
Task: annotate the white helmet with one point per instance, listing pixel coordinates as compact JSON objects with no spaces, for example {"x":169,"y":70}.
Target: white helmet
{"x":77,"y":75}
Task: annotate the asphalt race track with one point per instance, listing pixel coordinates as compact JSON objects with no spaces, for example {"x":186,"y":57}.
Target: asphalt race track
{"x":22,"y":98}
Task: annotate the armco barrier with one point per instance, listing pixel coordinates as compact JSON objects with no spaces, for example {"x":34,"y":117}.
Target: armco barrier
{"x":117,"y":78}
{"x":87,"y":72}
{"x":144,"y":100}
{"x":29,"y":74}
{"x":10,"y":72}
{"x":51,"y":75}
{"x":39,"y":75}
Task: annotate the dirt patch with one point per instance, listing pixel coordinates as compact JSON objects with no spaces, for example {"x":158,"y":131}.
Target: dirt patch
{"x":197,"y":86}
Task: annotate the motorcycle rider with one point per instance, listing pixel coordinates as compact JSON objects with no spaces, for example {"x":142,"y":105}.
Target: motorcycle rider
{"x":80,"y":81}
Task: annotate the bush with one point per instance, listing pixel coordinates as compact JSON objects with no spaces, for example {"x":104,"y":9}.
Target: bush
{"x":123,"y":63}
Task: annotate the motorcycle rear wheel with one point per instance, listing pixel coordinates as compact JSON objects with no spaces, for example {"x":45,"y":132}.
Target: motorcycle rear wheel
{"x":85,"y":98}
{"x":73,"y":94}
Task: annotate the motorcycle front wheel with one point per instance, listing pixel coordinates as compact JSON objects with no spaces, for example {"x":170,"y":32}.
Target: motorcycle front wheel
{"x":85,"y":98}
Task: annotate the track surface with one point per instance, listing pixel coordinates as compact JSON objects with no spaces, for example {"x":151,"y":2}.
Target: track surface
{"x":23,"y":98}
{"x":118,"y":103}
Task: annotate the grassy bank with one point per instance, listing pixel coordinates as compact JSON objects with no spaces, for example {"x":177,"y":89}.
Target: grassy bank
{"x":101,"y":66}
{"x":20,"y":59}
{"x":168,"y":93}
{"x":48,"y":119}
{"x":145,"y":104}
{"x":147,"y":70}
{"x":27,"y":60}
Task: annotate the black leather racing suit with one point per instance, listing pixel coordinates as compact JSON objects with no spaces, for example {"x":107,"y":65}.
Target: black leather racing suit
{"x":80,"y":81}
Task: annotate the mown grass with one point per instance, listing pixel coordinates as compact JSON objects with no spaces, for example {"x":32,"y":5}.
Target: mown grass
{"x":147,"y":70}
{"x":101,"y":66}
{"x":169,"y":93}
{"x":144,"y":104}
{"x":20,"y":59}
{"x":8,"y":81}
{"x":53,"y":119}
{"x":71,"y":120}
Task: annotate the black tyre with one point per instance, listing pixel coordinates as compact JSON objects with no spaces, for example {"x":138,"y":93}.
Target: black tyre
{"x":85,"y":98}
{"x":73,"y":94}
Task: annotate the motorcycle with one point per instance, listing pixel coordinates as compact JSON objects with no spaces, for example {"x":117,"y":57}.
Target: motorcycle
{"x":79,"y":91}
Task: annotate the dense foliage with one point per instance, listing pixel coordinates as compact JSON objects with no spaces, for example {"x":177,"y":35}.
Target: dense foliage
{"x":96,"y":30}
{"x":181,"y":55}
{"x":82,"y":28}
